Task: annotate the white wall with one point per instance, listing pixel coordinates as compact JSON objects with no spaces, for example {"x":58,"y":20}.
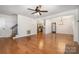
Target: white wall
{"x":76,"y":26}
{"x":25,"y":24}
{"x":40,"y":21}
{"x":48,"y":27}
{"x":6,"y":22}
{"x":66,"y":27}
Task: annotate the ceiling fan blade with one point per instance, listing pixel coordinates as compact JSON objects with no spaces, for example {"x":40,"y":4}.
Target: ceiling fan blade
{"x":43,"y":11}
{"x":34,"y":12}
{"x":40,"y":13}
{"x":36,"y":9}
{"x":31,"y":9}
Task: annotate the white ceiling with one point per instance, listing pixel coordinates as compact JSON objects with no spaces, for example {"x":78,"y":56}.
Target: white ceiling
{"x":22,"y":9}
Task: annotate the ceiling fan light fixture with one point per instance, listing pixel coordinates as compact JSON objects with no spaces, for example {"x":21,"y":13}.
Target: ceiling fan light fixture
{"x":37,"y":10}
{"x":36,"y":14}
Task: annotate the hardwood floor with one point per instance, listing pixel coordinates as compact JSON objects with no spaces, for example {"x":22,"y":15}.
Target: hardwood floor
{"x":36,"y":44}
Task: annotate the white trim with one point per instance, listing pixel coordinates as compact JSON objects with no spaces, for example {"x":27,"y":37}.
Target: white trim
{"x":4,"y":36}
{"x":19,"y":36}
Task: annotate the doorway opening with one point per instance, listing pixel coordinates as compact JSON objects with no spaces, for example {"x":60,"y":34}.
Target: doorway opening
{"x":39,"y":28}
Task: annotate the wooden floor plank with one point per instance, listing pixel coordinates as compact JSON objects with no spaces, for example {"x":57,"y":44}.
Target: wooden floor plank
{"x":36,"y":44}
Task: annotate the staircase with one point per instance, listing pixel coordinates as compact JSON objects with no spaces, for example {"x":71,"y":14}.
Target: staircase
{"x":14,"y":30}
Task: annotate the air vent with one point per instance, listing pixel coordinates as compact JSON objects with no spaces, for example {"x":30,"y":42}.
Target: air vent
{"x":28,"y":31}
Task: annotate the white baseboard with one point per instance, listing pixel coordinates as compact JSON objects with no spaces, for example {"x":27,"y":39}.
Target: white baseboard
{"x":4,"y":36}
{"x":19,"y":36}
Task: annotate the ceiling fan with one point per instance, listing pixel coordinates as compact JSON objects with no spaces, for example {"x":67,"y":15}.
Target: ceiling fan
{"x":37,"y":10}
